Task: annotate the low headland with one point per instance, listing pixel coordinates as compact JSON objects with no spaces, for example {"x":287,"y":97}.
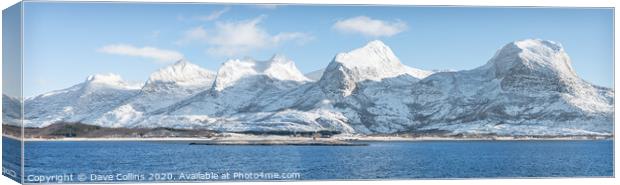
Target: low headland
{"x":84,"y":132}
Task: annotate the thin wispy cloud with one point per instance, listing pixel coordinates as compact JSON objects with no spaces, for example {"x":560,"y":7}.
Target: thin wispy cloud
{"x":158,"y":55}
{"x":370,"y":27}
{"x":213,"y":15}
{"x":232,"y":38}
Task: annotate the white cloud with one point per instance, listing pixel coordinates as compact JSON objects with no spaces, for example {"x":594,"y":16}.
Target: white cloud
{"x":370,"y":27}
{"x":160,"y":55}
{"x":214,"y":15}
{"x":234,"y":38}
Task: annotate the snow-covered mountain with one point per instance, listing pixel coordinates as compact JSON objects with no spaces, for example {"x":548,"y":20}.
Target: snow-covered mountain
{"x":83,"y":102}
{"x":11,"y":110}
{"x":180,"y":74}
{"x":373,"y":62}
{"x":164,"y":87}
{"x":243,"y":72}
{"x":238,"y":87}
{"x":527,"y":88}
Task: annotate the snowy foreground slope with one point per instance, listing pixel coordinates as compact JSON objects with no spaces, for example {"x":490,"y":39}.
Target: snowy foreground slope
{"x":527,"y":88}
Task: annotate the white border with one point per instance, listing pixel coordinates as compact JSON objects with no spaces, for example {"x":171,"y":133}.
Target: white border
{"x":556,"y":3}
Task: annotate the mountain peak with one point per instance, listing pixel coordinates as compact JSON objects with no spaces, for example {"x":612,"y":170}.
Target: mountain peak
{"x":538,"y":55}
{"x":374,"y":61}
{"x":104,"y":78}
{"x":278,"y":67}
{"x":282,"y":68}
{"x":279,"y":58}
{"x":182,"y":73}
{"x":538,"y":45}
{"x":376,"y":44}
{"x":374,"y":53}
{"x":181,"y":62}
{"x":109,"y":79}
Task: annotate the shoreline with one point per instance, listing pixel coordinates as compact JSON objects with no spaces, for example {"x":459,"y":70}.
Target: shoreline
{"x":241,"y":138}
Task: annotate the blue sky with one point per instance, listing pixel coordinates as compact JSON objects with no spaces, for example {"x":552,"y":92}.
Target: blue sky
{"x":66,"y":42}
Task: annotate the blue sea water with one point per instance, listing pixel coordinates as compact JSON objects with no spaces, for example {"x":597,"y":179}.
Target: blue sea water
{"x":11,"y":158}
{"x":96,"y":161}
